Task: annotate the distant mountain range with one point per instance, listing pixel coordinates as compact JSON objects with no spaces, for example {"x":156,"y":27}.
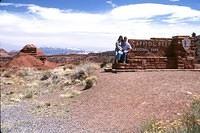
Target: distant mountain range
{"x":60,"y":51}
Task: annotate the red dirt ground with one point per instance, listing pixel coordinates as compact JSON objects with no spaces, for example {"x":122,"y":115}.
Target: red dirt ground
{"x":122,"y":101}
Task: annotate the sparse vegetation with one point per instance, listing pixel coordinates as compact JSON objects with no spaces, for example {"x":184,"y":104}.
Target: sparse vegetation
{"x":70,"y":94}
{"x":69,"y":66}
{"x":89,"y":82}
{"x":102,"y":65}
{"x":46,"y":75}
{"x":188,"y":123}
{"x":83,"y":71}
{"x":7,"y":74}
{"x":105,"y":64}
{"x":25,"y":72}
{"x":80,"y":74}
{"x":28,"y":94}
{"x":33,"y":83}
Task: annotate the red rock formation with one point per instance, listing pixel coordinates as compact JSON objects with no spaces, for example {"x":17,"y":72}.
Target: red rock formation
{"x":4,"y":57}
{"x":4,"y":53}
{"x":30,"y":56}
{"x":29,"y":61}
{"x":31,"y":49}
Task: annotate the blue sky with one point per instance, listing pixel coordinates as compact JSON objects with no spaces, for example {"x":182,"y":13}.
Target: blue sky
{"x":100,"y":5}
{"x":93,"y":24}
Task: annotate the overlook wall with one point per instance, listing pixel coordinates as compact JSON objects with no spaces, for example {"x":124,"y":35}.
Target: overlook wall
{"x":177,"y":52}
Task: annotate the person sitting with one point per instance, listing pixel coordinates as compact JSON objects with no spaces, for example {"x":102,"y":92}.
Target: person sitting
{"x":118,"y":49}
{"x":126,"y":47}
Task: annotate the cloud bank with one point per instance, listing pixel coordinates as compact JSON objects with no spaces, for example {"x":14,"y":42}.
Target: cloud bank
{"x":93,"y":31}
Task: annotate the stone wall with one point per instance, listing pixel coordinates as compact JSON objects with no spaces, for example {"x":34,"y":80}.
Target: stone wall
{"x":160,"y":53}
{"x":197,"y":43}
{"x":185,"y":57}
{"x":154,"y":47}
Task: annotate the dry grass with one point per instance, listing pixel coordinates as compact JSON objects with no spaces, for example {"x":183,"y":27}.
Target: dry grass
{"x":90,"y":82}
{"x":46,"y":91}
{"x":188,"y":123}
{"x":70,"y":94}
{"x":28,"y":94}
{"x":83,"y":71}
{"x":30,"y":83}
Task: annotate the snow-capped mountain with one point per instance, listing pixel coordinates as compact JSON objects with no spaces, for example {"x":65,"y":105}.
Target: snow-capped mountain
{"x":59,"y":51}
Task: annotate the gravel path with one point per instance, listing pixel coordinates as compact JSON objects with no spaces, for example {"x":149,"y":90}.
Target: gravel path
{"x":118,"y":103}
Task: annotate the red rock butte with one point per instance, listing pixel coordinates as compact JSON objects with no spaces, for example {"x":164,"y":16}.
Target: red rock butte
{"x":30,"y":56}
{"x":31,"y":49}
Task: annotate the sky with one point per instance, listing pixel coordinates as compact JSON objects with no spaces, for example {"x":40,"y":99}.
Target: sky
{"x":93,"y":25}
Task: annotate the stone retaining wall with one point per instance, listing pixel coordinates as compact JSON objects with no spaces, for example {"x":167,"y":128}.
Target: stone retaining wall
{"x":177,"y":52}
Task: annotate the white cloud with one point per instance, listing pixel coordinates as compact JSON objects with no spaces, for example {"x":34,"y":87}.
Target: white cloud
{"x":67,"y":28}
{"x":110,"y":2}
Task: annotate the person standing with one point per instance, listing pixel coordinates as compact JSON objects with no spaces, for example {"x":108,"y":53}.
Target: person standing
{"x":118,"y":49}
{"x":126,"y":47}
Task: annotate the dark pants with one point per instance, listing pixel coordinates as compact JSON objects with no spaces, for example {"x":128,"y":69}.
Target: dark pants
{"x":124,"y":57}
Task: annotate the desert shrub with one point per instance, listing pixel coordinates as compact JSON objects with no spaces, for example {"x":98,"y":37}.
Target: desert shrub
{"x":70,"y":94}
{"x":83,"y":71}
{"x":107,"y":61}
{"x":7,"y":74}
{"x":152,"y":126}
{"x":195,"y":108}
{"x":28,"y":94}
{"x":46,"y":75}
{"x":31,"y":91}
{"x":54,"y":77}
{"x":191,"y":119}
{"x":74,"y":93}
{"x":10,"y":93}
{"x":23,"y":73}
{"x":188,"y":123}
{"x":67,"y":72}
{"x":80,"y":75}
{"x":69,"y":66}
{"x":102,"y":65}
{"x":89,"y":68}
{"x":68,"y":82}
{"x":47,"y":104}
{"x":89,"y":82}
{"x":77,"y":63}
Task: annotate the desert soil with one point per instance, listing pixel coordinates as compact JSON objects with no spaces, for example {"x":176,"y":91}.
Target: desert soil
{"x":119,"y":102}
